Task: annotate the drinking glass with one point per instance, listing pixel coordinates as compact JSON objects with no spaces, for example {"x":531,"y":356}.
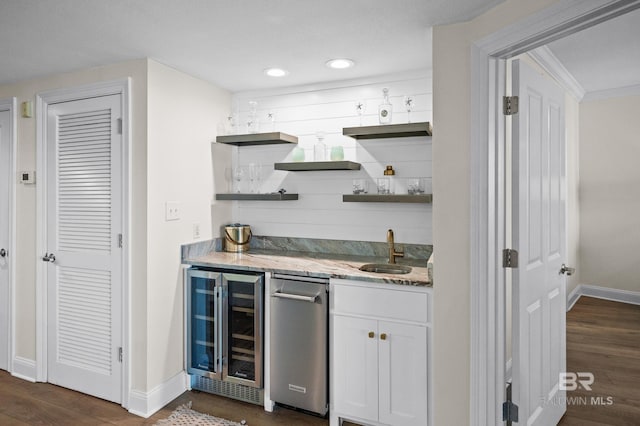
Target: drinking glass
{"x":416,"y":186}
{"x":360,"y":186}
{"x":384,"y":186}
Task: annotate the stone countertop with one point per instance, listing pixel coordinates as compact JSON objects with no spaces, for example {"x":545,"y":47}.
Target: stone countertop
{"x":313,"y":265}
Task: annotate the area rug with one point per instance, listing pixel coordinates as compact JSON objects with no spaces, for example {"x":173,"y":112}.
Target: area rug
{"x":185,"y":416}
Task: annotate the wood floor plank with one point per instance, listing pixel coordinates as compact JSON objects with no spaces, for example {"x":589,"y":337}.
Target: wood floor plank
{"x":603,"y":337}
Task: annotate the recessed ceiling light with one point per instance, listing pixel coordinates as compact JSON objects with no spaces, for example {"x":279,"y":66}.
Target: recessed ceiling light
{"x":276,"y":72}
{"x":340,"y":64}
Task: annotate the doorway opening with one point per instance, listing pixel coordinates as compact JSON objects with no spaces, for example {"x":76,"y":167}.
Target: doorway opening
{"x":488,"y":59}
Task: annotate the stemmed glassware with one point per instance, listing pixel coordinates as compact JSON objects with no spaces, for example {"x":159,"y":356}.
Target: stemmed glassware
{"x":252,"y":119}
{"x":228,"y":178}
{"x":238,"y":175}
{"x":361,"y":107}
{"x":271,"y":117}
{"x":409,"y":104}
{"x":255,"y":177}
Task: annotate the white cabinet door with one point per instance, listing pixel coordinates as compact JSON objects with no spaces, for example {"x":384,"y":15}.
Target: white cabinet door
{"x":403,"y":380}
{"x":355,"y":366}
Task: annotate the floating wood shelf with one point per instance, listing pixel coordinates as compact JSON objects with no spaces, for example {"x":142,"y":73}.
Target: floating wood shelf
{"x":309,"y":166}
{"x":391,"y":198}
{"x":389,"y":131}
{"x":257,"y":197}
{"x":258,"y":139}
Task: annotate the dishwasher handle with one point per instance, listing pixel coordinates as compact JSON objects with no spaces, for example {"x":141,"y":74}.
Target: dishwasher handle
{"x":310,"y":299}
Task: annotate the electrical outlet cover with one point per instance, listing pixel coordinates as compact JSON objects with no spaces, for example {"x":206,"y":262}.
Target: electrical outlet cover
{"x":172,"y":210}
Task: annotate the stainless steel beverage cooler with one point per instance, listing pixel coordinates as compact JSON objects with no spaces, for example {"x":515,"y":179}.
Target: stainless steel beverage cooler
{"x":224,"y":332}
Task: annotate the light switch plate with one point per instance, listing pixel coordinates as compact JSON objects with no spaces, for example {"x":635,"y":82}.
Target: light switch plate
{"x":196,"y":231}
{"x":172,"y":210}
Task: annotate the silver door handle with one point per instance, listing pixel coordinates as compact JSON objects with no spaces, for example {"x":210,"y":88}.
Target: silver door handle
{"x":310,"y":299}
{"x":564,"y":269}
{"x":49,"y":257}
{"x":3,"y":253}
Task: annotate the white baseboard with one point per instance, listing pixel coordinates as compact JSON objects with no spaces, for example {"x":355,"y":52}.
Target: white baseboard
{"x":145,"y":404}
{"x":24,"y":369}
{"x":623,"y":296}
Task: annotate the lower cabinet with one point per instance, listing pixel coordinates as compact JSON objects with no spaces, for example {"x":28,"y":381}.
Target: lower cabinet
{"x":380,"y":354}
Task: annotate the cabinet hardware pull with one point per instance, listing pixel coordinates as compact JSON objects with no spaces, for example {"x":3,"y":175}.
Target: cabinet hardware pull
{"x":371,"y":335}
{"x":383,"y":336}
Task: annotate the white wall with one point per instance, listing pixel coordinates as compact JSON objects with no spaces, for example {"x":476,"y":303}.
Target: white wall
{"x":183,"y":113}
{"x":609,"y":188}
{"x":320,"y":212}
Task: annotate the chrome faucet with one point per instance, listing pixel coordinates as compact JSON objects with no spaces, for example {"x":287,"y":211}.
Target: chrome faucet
{"x":392,"y":250}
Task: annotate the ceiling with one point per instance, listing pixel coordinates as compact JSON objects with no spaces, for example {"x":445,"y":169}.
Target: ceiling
{"x":603,"y":57}
{"x":230,"y":43}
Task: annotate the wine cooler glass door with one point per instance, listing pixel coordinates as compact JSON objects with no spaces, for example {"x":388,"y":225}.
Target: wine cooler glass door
{"x":203,"y":324}
{"x":243,"y":328}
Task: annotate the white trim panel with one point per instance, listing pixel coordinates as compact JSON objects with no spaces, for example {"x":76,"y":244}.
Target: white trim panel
{"x":606,"y":293}
{"x":619,"y":92}
{"x":552,"y":65}
{"x":145,"y":404}
{"x":24,"y":369}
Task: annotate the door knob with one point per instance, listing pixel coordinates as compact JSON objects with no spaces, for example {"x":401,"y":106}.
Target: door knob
{"x":3,"y":253}
{"x":564,"y":269}
{"x":49,"y":257}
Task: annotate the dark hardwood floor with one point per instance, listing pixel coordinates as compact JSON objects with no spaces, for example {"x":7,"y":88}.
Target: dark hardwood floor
{"x":25,"y":403}
{"x":602,"y":337}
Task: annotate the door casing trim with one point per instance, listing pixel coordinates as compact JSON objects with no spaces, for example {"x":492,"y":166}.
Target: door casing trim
{"x":43,"y":100}
{"x":487,"y":239}
{"x":10,"y":105}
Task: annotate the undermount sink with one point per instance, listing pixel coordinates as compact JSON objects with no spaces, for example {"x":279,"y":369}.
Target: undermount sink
{"x":385,"y":268}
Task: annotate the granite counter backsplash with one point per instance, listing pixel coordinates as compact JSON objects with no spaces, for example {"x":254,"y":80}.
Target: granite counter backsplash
{"x":413,"y":253}
{"x":313,"y":257}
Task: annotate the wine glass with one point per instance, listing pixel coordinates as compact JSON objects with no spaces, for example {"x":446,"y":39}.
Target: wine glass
{"x":238,"y":175}
{"x":252,"y":119}
{"x":255,"y":172}
{"x":228,"y":178}
{"x":271,"y":117}
{"x":409,"y":103}
{"x":361,"y":107}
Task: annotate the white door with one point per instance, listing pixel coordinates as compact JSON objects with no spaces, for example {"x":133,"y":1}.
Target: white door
{"x":84,"y":220}
{"x":539,"y":230}
{"x":5,"y":150}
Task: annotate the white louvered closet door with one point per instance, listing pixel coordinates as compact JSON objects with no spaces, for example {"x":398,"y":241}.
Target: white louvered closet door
{"x":84,"y":283}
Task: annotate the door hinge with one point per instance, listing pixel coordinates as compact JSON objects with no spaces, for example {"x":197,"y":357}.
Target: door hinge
{"x":509,"y":409}
{"x":120,"y":354}
{"x":509,"y":258}
{"x":119,"y":126}
{"x":510,"y":105}
{"x":119,"y":240}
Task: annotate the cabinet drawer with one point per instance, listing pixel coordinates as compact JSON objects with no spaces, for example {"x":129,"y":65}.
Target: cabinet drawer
{"x":400,"y":304}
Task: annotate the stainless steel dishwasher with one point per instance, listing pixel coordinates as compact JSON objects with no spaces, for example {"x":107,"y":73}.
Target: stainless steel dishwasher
{"x":299,"y":342}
